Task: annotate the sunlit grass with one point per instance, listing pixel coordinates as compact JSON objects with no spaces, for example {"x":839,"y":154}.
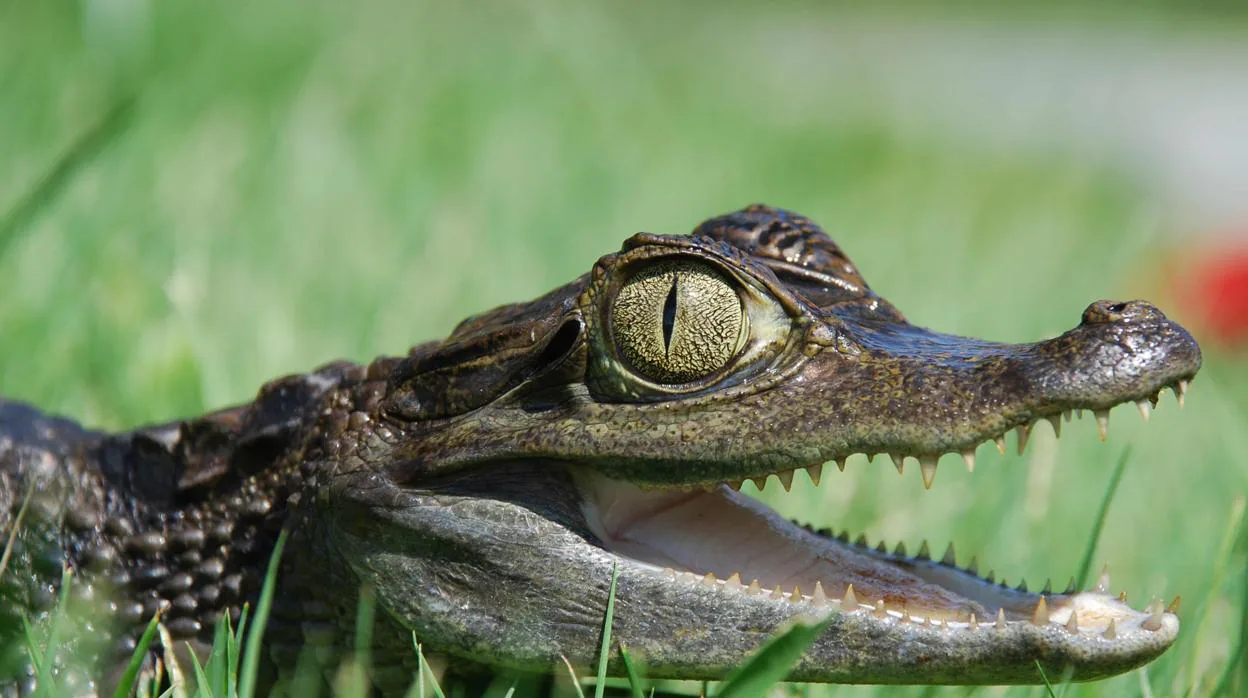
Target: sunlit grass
{"x":292,"y":184}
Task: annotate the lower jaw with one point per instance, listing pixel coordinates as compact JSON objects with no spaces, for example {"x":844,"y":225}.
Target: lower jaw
{"x":722,"y":538}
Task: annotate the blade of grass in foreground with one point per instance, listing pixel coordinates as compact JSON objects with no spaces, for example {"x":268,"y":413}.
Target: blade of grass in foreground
{"x":125,"y":687}
{"x":604,"y":650}
{"x":423,"y":673}
{"x":634,"y":678}
{"x":251,"y":656}
{"x":1094,"y":538}
{"x":771,"y":664}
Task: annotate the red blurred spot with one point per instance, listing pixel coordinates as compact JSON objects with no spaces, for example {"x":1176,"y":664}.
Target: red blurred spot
{"x":1214,"y":290}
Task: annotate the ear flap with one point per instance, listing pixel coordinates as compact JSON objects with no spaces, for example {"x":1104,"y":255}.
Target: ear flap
{"x":795,"y":249}
{"x":487,"y":356}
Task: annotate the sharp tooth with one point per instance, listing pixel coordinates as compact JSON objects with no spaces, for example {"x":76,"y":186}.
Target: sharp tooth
{"x":840,"y":464}
{"x":861,"y":540}
{"x":786,"y":479}
{"x":1066,"y":415}
{"x":819,"y":598}
{"x":899,"y":462}
{"x":759,"y":482}
{"x":1153,"y":622}
{"x":881,"y":548}
{"x":754,"y":589}
{"x":796,"y":596}
{"x":1072,"y":625}
{"x":974,"y":623}
{"x":849,"y":604}
{"x":776,"y":593}
{"x":1000,"y":442}
{"x":1023,"y":431}
{"x":881,"y":608}
{"x":1154,"y":398}
{"x":816,"y":473}
{"x":1056,"y":423}
{"x":870,"y":457}
{"x":1102,"y":423}
{"x":1048,"y":587}
{"x":992,"y":576}
{"x":1000,"y":619}
{"x":1146,"y":410}
{"x":736,"y":484}
{"x":973,"y":568}
{"x":905,"y":614}
{"x":734,"y":581}
{"x":843,"y":536}
{"x":1122,"y":596}
{"x":950,"y":558}
{"x":1111,"y":633}
{"x":709,"y":580}
{"x":1180,"y":390}
{"x":968,"y":456}
{"x":900,"y":550}
{"x":927,"y":466}
{"x":1070,"y":587}
{"x":924,"y":552}
{"x":1022,"y":586}
{"x":1102,"y":582}
{"x":1174,"y":605}
{"x":1040,"y":616}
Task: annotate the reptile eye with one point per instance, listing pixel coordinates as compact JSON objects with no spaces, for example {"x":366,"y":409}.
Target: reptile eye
{"x":678,"y":321}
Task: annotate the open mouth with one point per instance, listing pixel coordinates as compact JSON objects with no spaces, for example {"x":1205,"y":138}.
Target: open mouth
{"x":722,"y":539}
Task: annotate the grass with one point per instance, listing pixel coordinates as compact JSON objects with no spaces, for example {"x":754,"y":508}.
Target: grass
{"x":253,"y":189}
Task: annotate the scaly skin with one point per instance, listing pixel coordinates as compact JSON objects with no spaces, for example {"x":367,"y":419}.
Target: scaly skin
{"x":484,"y":486}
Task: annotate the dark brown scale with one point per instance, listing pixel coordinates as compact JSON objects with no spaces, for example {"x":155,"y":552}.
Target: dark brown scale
{"x":176,"y":584}
{"x":148,"y":576}
{"x":148,"y":544}
{"x":211,"y":568}
{"x":187,"y":538}
{"x":184,"y":604}
{"x":182,"y":628}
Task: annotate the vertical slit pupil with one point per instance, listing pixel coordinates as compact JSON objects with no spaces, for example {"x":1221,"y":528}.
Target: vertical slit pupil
{"x":669,"y":315}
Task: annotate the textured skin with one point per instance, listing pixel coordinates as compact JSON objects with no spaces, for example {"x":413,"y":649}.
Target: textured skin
{"x":442,"y":478}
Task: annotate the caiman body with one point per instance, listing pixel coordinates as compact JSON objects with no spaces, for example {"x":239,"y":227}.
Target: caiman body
{"x":485,"y":486}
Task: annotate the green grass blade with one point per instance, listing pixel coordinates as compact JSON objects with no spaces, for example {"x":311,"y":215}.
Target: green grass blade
{"x":576,"y":682}
{"x":634,"y":677}
{"x":125,"y":687}
{"x":423,"y":673}
{"x":1094,"y":538}
{"x":1048,"y":687}
{"x":233,"y":645}
{"x":1236,"y":669}
{"x":218,"y":661}
{"x":11,"y":537}
{"x":604,"y":650}
{"x":54,"y":633}
{"x":771,"y":664}
{"x":203,"y":686}
{"x":251,"y":657}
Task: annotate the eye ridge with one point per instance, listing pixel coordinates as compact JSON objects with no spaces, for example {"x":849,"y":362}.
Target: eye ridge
{"x":669,"y":314}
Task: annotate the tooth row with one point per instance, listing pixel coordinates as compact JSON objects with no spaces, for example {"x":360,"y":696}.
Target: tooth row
{"x":927,"y":462}
{"x":850,"y":603}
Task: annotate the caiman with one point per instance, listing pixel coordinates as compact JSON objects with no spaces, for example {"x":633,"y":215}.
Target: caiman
{"x":485,"y":486}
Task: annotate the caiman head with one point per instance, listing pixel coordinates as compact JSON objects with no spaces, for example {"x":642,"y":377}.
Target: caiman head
{"x":607,"y":425}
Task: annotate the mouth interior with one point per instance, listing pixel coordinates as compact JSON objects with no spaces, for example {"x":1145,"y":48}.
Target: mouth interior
{"x":691,"y":533}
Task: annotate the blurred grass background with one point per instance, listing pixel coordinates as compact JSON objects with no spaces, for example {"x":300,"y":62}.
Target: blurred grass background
{"x":197,"y":197}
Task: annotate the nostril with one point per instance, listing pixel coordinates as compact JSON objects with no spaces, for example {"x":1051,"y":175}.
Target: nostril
{"x":1121,"y":311}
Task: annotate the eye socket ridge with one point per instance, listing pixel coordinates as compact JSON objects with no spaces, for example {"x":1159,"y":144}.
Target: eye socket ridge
{"x":678,"y":320}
